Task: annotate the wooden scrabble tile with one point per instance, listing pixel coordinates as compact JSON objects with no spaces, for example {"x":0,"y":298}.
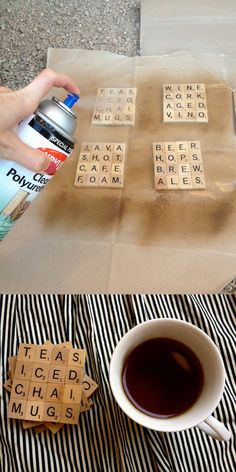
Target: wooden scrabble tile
{"x":185,"y":182}
{"x":159,"y":158}
{"x":172,"y":169}
{"x":119,"y":148}
{"x":17,"y":409}
{"x":43,"y":354}
{"x":173,"y":182}
{"x":52,"y":412}
{"x":84,"y":156}
{"x":168,"y":88}
{"x":117,"y":168}
{"x":34,"y":411}
{"x":95,"y":158}
{"x":23,"y":370}
{"x":181,"y":147}
{"x":40,"y":372}
{"x":184,"y":169}
{"x":93,"y":168}
{"x":70,"y":413}
{"x":178,"y":166}
{"x":81,"y":180}
{"x":26,"y":352}
{"x":92,"y":180}
{"x":85,"y":147}
{"x":161,"y":183}
{"x":97,"y":119}
{"x":114,"y":107}
{"x":104,"y":180}
{"x":37,"y":391}
{"x":198,"y":181}
{"x":54,"y":392}
{"x":116,"y":181}
{"x":158,"y":147}
{"x":104,"y":166}
{"x":74,"y":375}
{"x":184,"y":103}
{"x":77,"y":357}
{"x":171,"y":158}
{"x":56,"y":373}
{"x":72,"y":394}
{"x":89,"y":385}
{"x":197,"y":168}
{"x":183,"y":157}
{"x":20,"y":389}
{"x":59,"y":355}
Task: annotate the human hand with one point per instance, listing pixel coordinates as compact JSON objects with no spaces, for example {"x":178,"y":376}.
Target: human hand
{"x":17,"y":105}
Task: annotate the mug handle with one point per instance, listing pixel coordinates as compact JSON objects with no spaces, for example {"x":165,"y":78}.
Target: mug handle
{"x":215,"y":429}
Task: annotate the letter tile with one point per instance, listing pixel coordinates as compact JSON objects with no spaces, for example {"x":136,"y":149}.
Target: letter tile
{"x":19,"y":389}
{"x":34,"y":411}
{"x":17,"y":409}
{"x":37,"y":391}
{"x":76,"y":357}
{"x":69,"y":413}
{"x":52,"y":412}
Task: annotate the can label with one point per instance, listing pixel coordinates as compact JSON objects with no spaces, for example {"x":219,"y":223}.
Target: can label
{"x":18,"y":185}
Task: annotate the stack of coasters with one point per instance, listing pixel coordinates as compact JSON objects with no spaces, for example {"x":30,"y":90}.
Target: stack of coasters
{"x":178,"y":165}
{"x":101,"y":165}
{"x":48,"y":386}
{"x":114,"y":107}
{"x":184,"y":103}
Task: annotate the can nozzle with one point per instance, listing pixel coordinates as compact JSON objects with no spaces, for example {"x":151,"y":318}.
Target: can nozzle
{"x":71,"y":100}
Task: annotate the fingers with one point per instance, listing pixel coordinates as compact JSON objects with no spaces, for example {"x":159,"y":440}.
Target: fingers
{"x":16,"y":106}
{"x":12,"y":149}
{"x":41,"y":85}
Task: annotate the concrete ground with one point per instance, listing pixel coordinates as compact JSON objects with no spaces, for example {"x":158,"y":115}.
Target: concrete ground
{"x":29,"y":27}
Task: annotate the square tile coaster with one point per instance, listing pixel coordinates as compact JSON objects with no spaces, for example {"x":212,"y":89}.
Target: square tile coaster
{"x":48,"y":386}
{"x":178,"y":165}
{"x":101,"y":165}
{"x":184,"y":103}
{"x":114,"y":107}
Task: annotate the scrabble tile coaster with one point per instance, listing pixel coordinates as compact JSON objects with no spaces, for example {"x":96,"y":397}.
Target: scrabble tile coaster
{"x":178,"y":165}
{"x":101,"y":165}
{"x":114,"y":107}
{"x":48,"y":386}
{"x":184,"y":103}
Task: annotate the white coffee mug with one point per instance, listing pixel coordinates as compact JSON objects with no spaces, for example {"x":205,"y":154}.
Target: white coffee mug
{"x":199,"y":414}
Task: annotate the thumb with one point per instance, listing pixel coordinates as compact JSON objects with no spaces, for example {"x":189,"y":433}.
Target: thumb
{"x":13,"y":149}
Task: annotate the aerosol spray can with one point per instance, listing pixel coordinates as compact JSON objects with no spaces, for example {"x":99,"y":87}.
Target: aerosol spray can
{"x":50,"y":129}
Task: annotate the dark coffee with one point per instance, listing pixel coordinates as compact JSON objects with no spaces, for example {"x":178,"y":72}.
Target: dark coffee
{"x":162,"y":377}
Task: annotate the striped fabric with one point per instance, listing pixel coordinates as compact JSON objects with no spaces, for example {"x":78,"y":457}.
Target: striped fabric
{"x":105,"y":439}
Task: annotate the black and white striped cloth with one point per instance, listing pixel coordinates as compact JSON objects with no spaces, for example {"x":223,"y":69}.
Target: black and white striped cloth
{"x":105,"y":440}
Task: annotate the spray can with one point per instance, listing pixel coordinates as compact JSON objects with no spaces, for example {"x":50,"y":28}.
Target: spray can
{"x":50,"y":129}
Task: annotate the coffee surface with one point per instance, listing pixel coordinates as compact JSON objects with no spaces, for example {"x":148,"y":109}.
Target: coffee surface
{"x":162,"y":377}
